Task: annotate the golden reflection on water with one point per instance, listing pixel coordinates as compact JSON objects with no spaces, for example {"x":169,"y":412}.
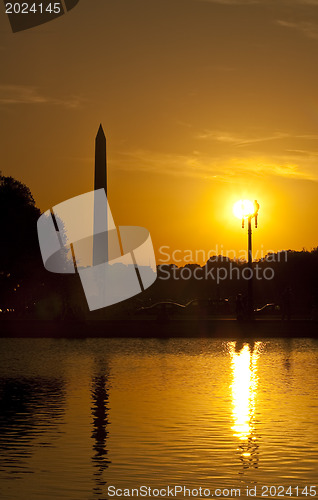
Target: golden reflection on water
{"x":244,"y":361}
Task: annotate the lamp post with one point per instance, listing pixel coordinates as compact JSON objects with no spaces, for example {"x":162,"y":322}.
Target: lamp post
{"x":249,"y":217}
{"x":247,"y":211}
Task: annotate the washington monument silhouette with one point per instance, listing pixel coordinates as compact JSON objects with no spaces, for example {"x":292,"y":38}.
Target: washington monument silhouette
{"x":100,"y":243}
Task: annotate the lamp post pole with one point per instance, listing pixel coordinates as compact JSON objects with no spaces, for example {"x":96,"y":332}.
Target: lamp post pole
{"x":250,"y":298}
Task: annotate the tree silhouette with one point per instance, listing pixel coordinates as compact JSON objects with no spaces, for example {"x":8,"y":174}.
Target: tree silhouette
{"x":19,"y":250}
{"x":18,"y":218}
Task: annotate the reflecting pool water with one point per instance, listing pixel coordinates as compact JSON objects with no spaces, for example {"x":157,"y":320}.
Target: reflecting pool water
{"x":81,"y":416}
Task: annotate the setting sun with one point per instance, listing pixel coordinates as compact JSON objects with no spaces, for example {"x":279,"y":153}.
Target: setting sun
{"x":243,"y":208}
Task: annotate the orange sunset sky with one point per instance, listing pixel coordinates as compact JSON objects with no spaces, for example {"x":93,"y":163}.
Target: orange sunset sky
{"x":202,"y":102}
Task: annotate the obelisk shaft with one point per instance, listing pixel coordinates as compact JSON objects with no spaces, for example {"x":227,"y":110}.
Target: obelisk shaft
{"x":100,"y":161}
{"x":100,"y":241}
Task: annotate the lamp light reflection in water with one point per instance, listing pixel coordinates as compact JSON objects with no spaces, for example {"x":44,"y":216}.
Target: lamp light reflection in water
{"x":244,"y":391}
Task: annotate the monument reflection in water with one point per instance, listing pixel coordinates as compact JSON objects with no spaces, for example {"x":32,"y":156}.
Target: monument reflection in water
{"x":100,"y":397}
{"x":244,"y":361}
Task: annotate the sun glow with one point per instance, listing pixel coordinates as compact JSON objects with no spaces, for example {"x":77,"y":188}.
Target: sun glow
{"x":243,"y":209}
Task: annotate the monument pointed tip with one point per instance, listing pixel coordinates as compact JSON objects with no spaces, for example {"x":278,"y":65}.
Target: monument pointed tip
{"x":100,"y":131}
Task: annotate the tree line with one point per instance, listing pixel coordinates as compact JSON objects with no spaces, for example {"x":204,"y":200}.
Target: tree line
{"x":28,"y":289}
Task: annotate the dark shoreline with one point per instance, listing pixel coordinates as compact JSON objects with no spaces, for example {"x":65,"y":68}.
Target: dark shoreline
{"x":149,"y":328}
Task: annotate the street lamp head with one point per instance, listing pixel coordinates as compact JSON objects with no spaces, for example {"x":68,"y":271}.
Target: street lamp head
{"x":246,"y":209}
{"x":243,"y":209}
